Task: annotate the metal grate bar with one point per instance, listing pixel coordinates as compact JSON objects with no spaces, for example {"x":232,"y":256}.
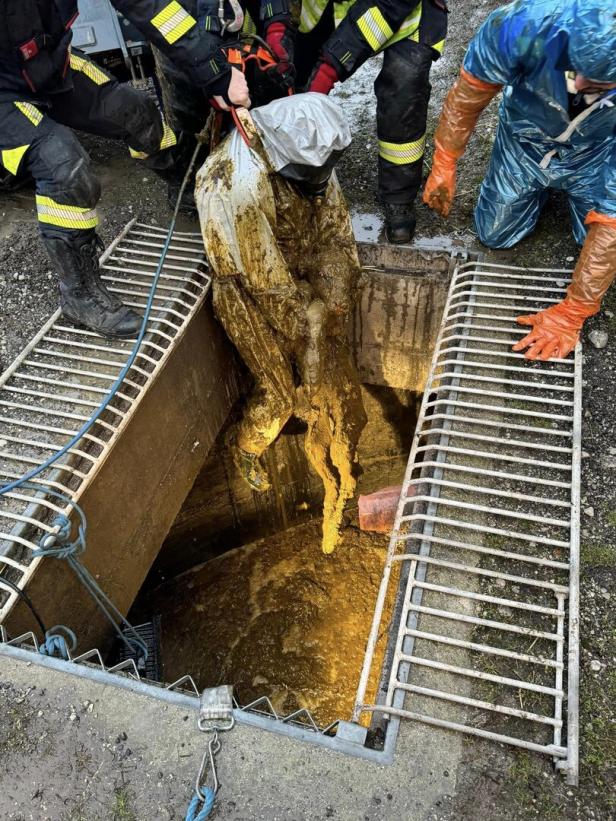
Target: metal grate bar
{"x":460,"y":650}
{"x":66,"y":370}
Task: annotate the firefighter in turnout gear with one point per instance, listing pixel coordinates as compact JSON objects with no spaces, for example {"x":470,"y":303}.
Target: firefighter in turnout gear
{"x":340,"y":37}
{"x":47,"y":89}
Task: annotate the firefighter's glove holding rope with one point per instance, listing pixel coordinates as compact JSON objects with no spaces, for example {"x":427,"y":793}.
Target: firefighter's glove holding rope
{"x":556,"y":330}
{"x":237,"y":93}
{"x":280,"y":37}
{"x":465,"y":102}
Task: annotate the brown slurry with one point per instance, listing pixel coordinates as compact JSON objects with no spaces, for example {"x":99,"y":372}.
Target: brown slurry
{"x":278,"y":618}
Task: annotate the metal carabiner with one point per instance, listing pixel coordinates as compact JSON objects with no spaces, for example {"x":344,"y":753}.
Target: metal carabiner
{"x":213,"y":748}
{"x":234,"y":25}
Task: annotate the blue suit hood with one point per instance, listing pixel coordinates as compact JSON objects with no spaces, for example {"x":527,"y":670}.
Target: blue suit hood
{"x":592,"y":40}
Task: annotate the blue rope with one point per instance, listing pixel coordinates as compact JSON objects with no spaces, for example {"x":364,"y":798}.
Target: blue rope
{"x":55,"y":643}
{"x":193,"y":813}
{"x":61,"y":547}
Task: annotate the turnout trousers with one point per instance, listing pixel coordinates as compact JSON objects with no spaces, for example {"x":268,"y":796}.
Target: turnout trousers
{"x":402,"y":90}
{"x":37,"y":139}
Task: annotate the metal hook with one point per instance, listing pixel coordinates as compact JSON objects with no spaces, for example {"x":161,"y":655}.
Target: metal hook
{"x":213,"y":748}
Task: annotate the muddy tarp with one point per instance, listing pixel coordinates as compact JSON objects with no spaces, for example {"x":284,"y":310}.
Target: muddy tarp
{"x":285,"y":273}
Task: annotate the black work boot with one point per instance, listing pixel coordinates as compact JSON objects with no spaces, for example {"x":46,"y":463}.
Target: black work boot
{"x":399,"y":222}
{"x":84,"y":299}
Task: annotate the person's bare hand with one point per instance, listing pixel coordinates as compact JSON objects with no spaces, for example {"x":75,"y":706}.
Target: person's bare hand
{"x":237,"y":92}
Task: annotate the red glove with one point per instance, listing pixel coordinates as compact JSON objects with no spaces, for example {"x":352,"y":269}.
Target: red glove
{"x":323,"y":78}
{"x":279,"y":37}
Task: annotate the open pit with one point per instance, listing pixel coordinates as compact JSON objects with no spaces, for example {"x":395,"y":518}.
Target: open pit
{"x":274,"y":615}
{"x":244,"y":593}
{"x":237,"y":581}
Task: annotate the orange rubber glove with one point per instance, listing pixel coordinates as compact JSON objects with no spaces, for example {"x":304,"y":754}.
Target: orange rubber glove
{"x":465,"y":102}
{"x":556,"y":330}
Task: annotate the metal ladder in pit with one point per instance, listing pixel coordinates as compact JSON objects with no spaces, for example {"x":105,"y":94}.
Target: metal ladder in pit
{"x":62,"y":375}
{"x":485,"y":546}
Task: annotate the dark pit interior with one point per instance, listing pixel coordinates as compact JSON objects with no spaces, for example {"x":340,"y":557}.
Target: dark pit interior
{"x":246,"y":596}
{"x":244,"y":593}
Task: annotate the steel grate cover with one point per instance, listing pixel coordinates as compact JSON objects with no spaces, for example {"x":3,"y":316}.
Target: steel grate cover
{"x":486,"y":538}
{"x":64,"y":373}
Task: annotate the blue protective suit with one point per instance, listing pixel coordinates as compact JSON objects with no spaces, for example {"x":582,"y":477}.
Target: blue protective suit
{"x":527,"y":47}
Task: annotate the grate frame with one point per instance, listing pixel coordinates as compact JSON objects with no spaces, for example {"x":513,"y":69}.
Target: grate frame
{"x":64,"y":372}
{"x":454,"y":508}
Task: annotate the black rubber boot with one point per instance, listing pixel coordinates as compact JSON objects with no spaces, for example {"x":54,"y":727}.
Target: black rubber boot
{"x":400,"y":222}
{"x":84,"y":299}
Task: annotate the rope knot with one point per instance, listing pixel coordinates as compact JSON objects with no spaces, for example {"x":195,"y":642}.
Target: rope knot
{"x":55,"y":643}
{"x":58,"y":545}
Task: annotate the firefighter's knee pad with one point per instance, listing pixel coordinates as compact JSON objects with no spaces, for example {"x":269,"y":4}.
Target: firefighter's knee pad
{"x":69,"y":169}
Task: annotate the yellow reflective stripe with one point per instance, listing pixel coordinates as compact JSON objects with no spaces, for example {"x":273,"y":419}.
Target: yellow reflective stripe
{"x":409,"y":28}
{"x":31,"y":112}
{"x":311,"y":13}
{"x":137,"y":155}
{"x":168,"y":140}
{"x":341,"y":10}
{"x":65,"y":216}
{"x":375,"y":28}
{"x":12,"y":157}
{"x":173,"y":22}
{"x":91,"y":71}
{"x":402,"y":153}
{"x":439,"y":46}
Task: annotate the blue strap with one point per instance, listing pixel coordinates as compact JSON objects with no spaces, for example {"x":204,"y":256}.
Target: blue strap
{"x":61,"y":547}
{"x":193,"y":813}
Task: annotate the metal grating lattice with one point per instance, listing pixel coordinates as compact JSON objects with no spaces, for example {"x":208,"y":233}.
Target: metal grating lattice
{"x":63,"y":374}
{"x":486,"y":537}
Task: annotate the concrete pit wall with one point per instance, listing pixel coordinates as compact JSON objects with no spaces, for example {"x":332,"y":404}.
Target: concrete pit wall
{"x":134,"y":501}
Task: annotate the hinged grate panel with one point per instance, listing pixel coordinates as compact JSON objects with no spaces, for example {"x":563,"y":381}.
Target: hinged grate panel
{"x":485,"y":639}
{"x":64,"y":373}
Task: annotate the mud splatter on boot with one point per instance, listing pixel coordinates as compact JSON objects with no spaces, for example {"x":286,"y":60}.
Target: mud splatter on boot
{"x":248,"y":465}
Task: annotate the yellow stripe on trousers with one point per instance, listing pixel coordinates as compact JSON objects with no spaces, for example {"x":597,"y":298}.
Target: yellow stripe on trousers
{"x":12,"y":157}
{"x":65,"y":216}
{"x":402,"y":153}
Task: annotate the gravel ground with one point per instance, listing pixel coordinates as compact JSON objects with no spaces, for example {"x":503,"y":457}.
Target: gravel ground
{"x":492,"y":782}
